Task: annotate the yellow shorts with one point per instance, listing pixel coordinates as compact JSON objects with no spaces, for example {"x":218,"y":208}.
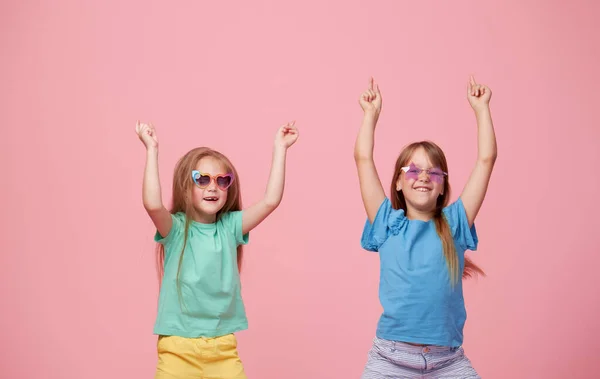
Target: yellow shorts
{"x":205,"y":358}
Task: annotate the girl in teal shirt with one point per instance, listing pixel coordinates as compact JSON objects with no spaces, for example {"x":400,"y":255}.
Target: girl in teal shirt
{"x":200,"y":303}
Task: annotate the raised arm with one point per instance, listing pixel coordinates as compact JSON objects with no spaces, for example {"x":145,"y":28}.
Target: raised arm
{"x":252,"y":216}
{"x":476,"y":187}
{"x":370,"y":186}
{"x":151,"y":194}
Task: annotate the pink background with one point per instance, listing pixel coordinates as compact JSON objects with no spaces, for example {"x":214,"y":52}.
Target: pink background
{"x":78,"y":284}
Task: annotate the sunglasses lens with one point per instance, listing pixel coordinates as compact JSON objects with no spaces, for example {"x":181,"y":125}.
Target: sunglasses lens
{"x":203,"y":180}
{"x":413,"y":173}
{"x":224,"y":181}
{"x":436,"y":176}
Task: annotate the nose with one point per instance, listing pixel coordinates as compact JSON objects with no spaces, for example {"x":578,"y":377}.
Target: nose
{"x":212,"y":186}
{"x":423,"y":176}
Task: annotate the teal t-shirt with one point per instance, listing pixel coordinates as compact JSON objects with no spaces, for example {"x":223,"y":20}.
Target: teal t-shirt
{"x":209,"y":303}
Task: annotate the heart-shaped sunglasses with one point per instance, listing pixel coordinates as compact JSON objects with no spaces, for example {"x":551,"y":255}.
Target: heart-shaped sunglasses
{"x":202,"y":180}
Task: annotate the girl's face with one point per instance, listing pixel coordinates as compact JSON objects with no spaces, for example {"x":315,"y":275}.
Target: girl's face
{"x":421,"y":183}
{"x":209,"y":194}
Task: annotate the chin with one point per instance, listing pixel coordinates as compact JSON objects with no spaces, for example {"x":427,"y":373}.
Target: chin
{"x":210,"y":210}
{"x":213,"y":210}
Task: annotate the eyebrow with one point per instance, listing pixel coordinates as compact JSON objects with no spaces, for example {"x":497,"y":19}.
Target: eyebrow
{"x":416,"y":165}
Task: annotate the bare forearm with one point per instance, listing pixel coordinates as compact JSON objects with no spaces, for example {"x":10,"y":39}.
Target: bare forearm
{"x":486,"y":138}
{"x":365,"y":141}
{"x":276,"y":184}
{"x":151,"y":192}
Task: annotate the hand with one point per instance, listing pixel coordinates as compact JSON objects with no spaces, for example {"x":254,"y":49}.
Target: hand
{"x":286,"y":135}
{"x":479,"y":95}
{"x":147,"y":134}
{"x":370,"y":100}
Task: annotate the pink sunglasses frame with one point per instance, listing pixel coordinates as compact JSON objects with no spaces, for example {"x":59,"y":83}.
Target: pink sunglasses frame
{"x":195,"y":173}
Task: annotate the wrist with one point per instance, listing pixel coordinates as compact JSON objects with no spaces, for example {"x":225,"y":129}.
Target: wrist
{"x":482,"y":111}
{"x":371,"y":115}
{"x":370,"y":118}
{"x":279,"y":148}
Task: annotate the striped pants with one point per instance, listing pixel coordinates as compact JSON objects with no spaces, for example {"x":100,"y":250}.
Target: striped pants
{"x":395,"y":360}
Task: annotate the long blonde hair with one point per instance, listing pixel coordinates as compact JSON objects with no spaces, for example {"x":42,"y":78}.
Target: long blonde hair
{"x":182,"y":195}
{"x":437,"y":157}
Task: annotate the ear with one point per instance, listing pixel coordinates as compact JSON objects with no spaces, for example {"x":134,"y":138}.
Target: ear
{"x":399,"y":184}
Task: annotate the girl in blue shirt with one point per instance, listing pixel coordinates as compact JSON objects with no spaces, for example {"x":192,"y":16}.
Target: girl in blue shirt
{"x":421,"y":242}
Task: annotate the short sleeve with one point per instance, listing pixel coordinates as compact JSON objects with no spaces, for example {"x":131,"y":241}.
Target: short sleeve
{"x":374,"y":234}
{"x":232,"y":221}
{"x":464,"y":236}
{"x":176,"y":229}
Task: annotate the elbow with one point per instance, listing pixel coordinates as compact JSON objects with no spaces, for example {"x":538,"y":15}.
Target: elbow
{"x":361,"y":156}
{"x":152,"y":207}
{"x":271,"y":201}
{"x":272,"y":204}
{"x":488,"y":160}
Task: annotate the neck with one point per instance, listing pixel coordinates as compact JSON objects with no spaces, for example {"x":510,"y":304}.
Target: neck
{"x":417,"y":214}
{"x":204,"y":218}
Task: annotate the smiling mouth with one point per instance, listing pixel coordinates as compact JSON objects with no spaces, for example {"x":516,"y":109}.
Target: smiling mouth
{"x":422,"y":189}
{"x":210,"y":198}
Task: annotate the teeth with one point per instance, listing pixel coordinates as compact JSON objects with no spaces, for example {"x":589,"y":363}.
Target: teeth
{"x":422,"y":189}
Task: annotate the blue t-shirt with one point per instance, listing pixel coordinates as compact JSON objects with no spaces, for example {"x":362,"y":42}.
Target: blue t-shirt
{"x":419,"y":303}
